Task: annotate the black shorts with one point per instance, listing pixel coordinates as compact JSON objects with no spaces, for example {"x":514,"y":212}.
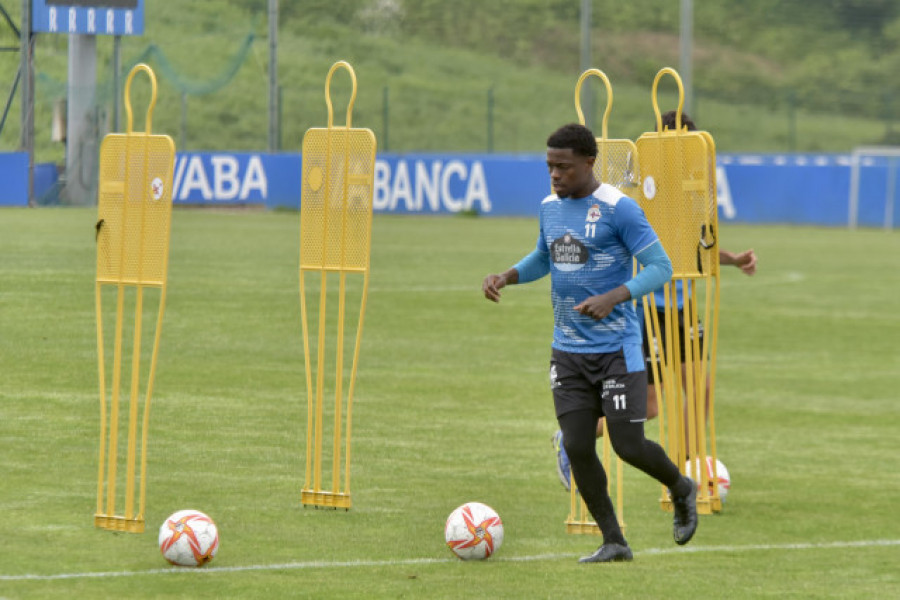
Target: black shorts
{"x":661,"y":349}
{"x":598,"y":382}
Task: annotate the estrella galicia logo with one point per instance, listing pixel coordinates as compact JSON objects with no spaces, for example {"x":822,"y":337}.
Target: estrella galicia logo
{"x":568,"y":253}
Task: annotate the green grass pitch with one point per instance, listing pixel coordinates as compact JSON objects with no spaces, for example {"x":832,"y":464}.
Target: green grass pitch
{"x":452,"y":404}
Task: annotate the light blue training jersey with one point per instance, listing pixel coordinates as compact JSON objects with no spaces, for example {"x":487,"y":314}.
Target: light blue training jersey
{"x":587,"y":245}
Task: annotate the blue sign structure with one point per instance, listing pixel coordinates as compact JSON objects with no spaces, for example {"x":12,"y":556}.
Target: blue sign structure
{"x":89,"y":17}
{"x":811,"y":189}
{"x":482,"y":183}
{"x":14,"y":173}
{"x":791,"y":188}
{"x":236,"y":178}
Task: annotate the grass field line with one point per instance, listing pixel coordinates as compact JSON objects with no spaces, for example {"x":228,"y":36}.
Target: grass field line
{"x":427,"y":561}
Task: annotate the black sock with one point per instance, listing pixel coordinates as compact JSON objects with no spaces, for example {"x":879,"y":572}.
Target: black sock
{"x":580,"y":440}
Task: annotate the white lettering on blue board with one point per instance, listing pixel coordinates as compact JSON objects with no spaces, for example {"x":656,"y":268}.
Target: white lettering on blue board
{"x":723,"y":194}
{"x":194,"y":178}
{"x":429,"y":186}
{"x":454,"y":167}
{"x":223,"y":180}
{"x":255,"y":179}
{"x":225,"y":176}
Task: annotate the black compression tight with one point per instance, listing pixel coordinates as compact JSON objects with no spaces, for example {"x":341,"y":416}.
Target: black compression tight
{"x":579,"y":430}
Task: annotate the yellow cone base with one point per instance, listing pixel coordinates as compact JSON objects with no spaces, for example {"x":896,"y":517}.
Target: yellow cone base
{"x":117,"y":523}
{"x":705,"y":506}
{"x":583,"y":527}
{"x":328,"y":499}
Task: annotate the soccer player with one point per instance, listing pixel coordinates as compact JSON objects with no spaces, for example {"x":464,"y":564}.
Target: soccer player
{"x":745,"y":261}
{"x":589,"y":234}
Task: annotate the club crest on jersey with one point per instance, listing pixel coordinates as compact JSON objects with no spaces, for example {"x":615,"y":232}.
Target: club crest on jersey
{"x":593,"y":214}
{"x":568,"y":254}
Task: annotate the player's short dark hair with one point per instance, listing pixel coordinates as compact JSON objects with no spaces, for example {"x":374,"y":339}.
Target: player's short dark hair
{"x":668,"y":121}
{"x":576,"y":137}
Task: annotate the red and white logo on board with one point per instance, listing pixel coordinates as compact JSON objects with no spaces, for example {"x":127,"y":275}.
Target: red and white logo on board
{"x":157,"y":188}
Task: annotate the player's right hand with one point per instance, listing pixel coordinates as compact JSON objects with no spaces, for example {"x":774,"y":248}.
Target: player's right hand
{"x":491,"y":286}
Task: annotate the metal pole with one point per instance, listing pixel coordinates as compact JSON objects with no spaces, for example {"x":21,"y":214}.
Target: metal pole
{"x":385,"y":114}
{"x":182,"y":137}
{"x":15,"y":85}
{"x":792,"y":121}
{"x":853,"y":204}
{"x":116,"y":65}
{"x":280,"y":115}
{"x":587,"y":95}
{"x":490,"y":120}
{"x":273,"y":75}
{"x":9,"y":100}
{"x":888,"y":116}
{"x":26,"y":142}
{"x":687,"y":62}
{"x":889,"y":197}
{"x":81,"y":126}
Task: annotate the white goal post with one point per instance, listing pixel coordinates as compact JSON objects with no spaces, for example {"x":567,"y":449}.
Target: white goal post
{"x":865,"y":156}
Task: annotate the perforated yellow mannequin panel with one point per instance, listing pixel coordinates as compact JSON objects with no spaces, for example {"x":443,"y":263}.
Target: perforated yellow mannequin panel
{"x":676,"y":183}
{"x":336,"y":204}
{"x":678,"y":195}
{"x":335,"y":239}
{"x":616,"y":164}
{"x":135,"y":205}
{"x":134,"y":209}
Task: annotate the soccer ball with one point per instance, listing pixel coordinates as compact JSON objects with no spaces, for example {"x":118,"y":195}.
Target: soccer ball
{"x":188,"y":538}
{"x":473,"y":531}
{"x":720,"y":476}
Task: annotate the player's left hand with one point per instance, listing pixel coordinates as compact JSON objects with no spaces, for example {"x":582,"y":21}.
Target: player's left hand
{"x":597,"y":307}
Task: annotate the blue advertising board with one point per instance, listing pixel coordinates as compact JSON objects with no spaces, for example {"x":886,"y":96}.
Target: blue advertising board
{"x":487,"y":184}
{"x":89,"y":17}
{"x":14,"y":174}
{"x":796,"y":188}
{"x":230,"y":178}
{"x":408,"y":184}
{"x":790,"y":188}
{"x":413,"y":184}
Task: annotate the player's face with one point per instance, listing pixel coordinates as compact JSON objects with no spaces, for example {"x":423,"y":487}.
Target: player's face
{"x":571,"y":175}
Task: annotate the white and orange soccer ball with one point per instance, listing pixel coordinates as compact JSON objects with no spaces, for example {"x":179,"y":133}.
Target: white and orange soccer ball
{"x":716,"y":474}
{"x":473,"y":531}
{"x":188,"y":538}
